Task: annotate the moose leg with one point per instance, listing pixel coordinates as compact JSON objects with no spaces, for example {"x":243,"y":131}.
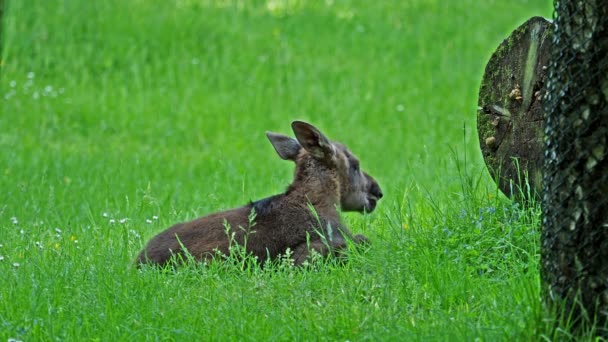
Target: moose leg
{"x":302,"y":251}
{"x":324,"y":248}
{"x":361,"y":240}
{"x":358,"y":239}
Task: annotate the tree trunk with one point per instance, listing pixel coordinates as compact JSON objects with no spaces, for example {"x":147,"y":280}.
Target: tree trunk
{"x":574,"y":242}
{"x":510,"y":114}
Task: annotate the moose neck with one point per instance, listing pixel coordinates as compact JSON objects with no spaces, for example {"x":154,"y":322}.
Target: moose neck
{"x":318,"y":185}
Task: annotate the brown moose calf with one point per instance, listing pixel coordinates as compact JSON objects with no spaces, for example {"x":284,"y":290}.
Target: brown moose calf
{"x":327,"y":176}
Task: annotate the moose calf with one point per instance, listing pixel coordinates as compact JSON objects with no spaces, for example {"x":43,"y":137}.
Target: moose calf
{"x":327,"y":175}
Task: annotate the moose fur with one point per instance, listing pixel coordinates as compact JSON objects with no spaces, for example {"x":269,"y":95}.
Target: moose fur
{"x":327,"y":177}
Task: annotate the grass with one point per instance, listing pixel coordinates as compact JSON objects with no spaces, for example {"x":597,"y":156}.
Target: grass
{"x":120,"y":118}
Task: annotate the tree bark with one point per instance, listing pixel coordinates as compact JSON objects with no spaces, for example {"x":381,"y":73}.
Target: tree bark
{"x":510,"y":114}
{"x":574,"y":244}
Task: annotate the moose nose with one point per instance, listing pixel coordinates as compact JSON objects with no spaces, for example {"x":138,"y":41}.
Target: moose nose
{"x":375,"y":190}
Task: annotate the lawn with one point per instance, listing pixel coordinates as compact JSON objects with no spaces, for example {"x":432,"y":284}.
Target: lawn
{"x":120,"y":118}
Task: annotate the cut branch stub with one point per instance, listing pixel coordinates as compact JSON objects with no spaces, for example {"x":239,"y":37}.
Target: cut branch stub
{"x":510,"y":113}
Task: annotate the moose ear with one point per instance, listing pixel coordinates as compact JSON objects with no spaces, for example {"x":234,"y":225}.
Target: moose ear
{"x":312,"y":140}
{"x":286,"y":147}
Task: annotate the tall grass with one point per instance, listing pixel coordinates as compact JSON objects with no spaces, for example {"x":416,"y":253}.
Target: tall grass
{"x":120,"y":118}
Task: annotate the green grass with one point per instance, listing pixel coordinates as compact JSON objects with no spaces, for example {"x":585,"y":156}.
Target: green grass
{"x":133,"y":110}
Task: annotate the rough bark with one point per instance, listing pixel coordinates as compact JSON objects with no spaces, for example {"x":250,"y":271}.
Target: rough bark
{"x":574,"y":242}
{"x":510,"y":114}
